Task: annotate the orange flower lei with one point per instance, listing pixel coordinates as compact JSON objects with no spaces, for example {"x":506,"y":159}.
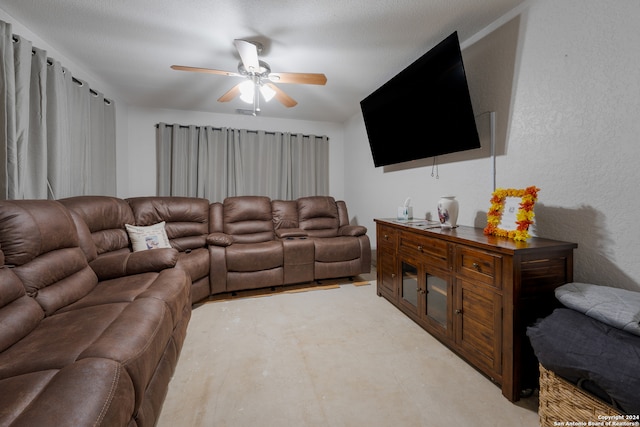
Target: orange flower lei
{"x":524,"y":217}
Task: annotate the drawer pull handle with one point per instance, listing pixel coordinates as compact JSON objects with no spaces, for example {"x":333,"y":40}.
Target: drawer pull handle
{"x":476,"y":266}
{"x":458,"y":311}
{"x":386,"y":237}
{"x":420,"y":248}
{"x":393,"y":275}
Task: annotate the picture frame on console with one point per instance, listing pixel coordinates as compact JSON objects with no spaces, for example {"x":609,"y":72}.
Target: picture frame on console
{"x":511,"y":212}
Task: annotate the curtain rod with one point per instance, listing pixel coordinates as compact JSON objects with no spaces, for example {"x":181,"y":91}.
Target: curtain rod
{"x":217,"y":128}
{"x":73,"y":79}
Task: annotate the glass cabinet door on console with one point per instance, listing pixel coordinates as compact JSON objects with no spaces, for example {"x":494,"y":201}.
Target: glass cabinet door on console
{"x":425,"y":293}
{"x":409,"y":286}
{"x":437,"y":300}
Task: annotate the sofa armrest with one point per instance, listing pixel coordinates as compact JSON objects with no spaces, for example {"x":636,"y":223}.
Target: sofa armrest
{"x":219,"y":239}
{"x":126,"y":264}
{"x":283,"y":233}
{"x":352,"y":230}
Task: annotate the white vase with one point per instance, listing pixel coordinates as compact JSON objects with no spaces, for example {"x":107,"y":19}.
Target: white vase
{"x":448,"y":211}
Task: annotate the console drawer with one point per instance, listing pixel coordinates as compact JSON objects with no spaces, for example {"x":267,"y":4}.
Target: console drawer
{"x":386,"y":236}
{"x":477,"y":265}
{"x":436,"y":250}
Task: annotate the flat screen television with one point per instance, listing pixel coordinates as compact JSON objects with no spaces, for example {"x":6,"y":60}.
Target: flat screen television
{"x":424,"y":111}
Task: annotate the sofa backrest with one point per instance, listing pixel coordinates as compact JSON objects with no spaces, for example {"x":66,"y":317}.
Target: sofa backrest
{"x":105,"y":217}
{"x":19,"y":314}
{"x":40,"y":242}
{"x":318,"y":216}
{"x":285,"y":214}
{"x":248,"y":219}
{"x":186,"y":218}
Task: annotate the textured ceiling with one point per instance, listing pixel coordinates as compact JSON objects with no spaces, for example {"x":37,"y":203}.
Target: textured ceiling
{"x":358,"y":44}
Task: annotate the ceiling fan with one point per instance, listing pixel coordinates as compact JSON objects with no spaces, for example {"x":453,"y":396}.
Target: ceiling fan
{"x":258,"y":78}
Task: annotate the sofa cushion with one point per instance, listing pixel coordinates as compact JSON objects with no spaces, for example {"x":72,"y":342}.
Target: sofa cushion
{"x":186,"y":218}
{"x":285,"y":214}
{"x":57,"y":278}
{"x":169,"y":286}
{"x":248,"y":219}
{"x":318,"y":216}
{"x":58,"y":340}
{"x":133,"y":334}
{"x":29,"y":228}
{"x":39,"y":238}
{"x":137,"y":339}
{"x":288,"y":233}
{"x":105,"y":217}
{"x":88,"y":392}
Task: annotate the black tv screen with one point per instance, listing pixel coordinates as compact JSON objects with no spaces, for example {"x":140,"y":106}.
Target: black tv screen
{"x":424,"y":111}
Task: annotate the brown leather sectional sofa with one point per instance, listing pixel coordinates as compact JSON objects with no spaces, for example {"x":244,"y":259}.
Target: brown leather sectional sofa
{"x":90,"y":331}
{"x":76,"y":349}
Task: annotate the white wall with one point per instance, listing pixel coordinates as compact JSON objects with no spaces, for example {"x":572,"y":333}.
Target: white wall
{"x":570,"y":126}
{"x":575,"y":125}
{"x":141,"y":133}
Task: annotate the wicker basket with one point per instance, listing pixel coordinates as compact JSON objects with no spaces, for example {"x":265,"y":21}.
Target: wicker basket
{"x":562,"y":403}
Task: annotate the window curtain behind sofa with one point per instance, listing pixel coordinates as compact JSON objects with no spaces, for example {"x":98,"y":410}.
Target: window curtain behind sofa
{"x":215,"y":163}
{"x":57,"y":136}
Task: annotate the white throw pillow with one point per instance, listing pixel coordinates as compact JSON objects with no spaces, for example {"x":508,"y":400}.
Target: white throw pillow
{"x":150,"y":237}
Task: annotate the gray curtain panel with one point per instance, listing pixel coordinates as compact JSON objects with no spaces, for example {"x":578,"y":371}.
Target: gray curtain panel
{"x":215,"y":163}
{"x":57,"y":136}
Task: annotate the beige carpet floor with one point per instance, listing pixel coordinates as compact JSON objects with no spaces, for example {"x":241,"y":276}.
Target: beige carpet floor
{"x":338,"y":356}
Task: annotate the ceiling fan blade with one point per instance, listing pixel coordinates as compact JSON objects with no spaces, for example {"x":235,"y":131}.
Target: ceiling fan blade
{"x":204,"y":70}
{"x":284,"y":99}
{"x":249,"y":55}
{"x":299,"y":78}
{"x":230,"y":94}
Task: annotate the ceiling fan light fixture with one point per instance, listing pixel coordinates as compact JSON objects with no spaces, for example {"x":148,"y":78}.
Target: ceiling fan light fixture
{"x":267,"y":93}
{"x":247,"y":91}
{"x":257,"y":72}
